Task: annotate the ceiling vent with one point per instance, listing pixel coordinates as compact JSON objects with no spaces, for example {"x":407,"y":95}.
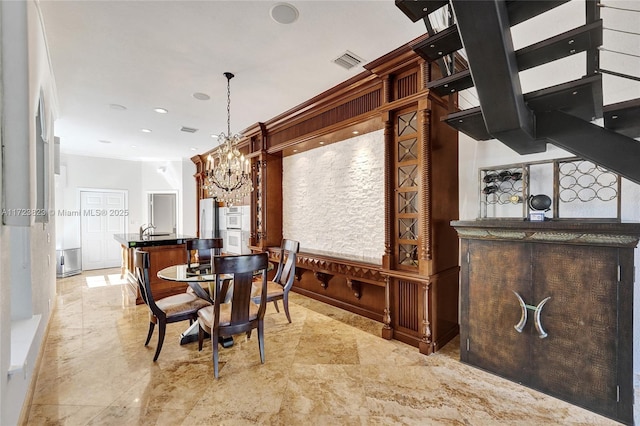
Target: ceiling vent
{"x":188,"y":129}
{"x":348,"y":60}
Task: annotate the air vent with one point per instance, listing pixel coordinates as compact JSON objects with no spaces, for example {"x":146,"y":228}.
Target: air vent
{"x":348,"y":60}
{"x":188,"y":129}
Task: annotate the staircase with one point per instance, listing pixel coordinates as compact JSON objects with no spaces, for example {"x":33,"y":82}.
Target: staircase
{"x":561,"y":115}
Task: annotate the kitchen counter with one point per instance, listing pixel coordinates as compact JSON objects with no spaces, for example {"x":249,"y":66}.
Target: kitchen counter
{"x":164,"y":250}
{"x":134,"y":240}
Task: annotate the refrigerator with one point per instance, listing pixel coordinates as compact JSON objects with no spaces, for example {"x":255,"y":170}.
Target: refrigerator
{"x":208,"y":227}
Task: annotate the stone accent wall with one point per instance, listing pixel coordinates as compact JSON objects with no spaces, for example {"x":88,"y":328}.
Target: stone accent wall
{"x":333,"y":198}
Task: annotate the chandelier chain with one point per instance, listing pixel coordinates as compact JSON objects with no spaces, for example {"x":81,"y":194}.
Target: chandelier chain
{"x":229,"y":77}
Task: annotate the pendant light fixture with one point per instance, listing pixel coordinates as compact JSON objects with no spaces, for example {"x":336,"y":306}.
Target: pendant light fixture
{"x":227,"y":173}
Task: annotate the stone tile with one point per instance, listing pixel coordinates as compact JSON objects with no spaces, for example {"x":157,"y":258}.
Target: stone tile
{"x":327,"y":367}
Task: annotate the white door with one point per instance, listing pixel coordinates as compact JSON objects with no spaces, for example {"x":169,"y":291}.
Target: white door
{"x":162,"y":212}
{"x":103,"y":214}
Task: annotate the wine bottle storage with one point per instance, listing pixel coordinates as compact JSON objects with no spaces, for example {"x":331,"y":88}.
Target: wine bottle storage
{"x":570,"y":183}
{"x":502,"y":186}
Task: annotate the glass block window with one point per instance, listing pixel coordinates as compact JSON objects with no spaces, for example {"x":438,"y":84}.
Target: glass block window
{"x":408,"y":229}
{"x":407,"y":123}
{"x":408,"y":255}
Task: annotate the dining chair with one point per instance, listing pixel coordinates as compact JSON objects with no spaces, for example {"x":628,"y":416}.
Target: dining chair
{"x":205,"y":248}
{"x":242,"y":314}
{"x":278,"y":288}
{"x":180,"y":307}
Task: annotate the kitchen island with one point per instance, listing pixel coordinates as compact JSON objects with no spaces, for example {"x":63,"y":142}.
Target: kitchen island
{"x":164,"y":250}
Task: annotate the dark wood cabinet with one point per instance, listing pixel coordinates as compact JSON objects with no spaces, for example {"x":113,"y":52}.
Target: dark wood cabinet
{"x":549,"y":305}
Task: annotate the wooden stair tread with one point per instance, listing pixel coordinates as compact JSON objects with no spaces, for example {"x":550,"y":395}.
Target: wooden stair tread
{"x":440,"y":44}
{"x":416,"y":10}
{"x":623,"y":117}
{"x":581,"y":98}
{"x":566,"y":44}
{"x":453,"y":83}
{"x":470,"y":122}
{"x":523,"y":10}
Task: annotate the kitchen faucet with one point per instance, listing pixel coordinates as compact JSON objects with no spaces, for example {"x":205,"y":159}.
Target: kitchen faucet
{"x":144,"y":229}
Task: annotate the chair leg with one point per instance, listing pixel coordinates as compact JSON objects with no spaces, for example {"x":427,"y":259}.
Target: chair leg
{"x":162,"y":326}
{"x":151,"y":326}
{"x":275,"y":303}
{"x":285,"y":303}
{"x":214,"y":349}
{"x":200,"y":337}
{"x":261,"y":340}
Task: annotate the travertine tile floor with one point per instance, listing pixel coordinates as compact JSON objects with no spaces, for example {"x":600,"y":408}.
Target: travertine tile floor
{"x":328,"y":367}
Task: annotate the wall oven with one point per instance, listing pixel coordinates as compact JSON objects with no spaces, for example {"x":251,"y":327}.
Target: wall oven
{"x":234,"y":220}
{"x":234,"y":241}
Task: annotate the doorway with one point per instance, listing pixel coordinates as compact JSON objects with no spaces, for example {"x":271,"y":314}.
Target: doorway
{"x":163,"y":212}
{"x":103,"y":213}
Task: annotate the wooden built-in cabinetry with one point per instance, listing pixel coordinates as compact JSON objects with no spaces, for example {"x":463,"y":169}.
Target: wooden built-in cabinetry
{"x":550,"y":305}
{"x":413,"y":288}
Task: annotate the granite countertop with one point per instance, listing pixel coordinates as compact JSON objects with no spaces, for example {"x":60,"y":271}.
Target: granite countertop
{"x":164,"y":239}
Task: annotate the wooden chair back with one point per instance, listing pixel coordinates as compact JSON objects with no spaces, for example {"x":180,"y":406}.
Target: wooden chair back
{"x":243,"y":269}
{"x":287,"y":263}
{"x":205,"y":247}
{"x":141,"y":264}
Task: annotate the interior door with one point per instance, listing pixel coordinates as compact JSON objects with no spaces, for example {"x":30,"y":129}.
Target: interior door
{"x":162,"y":212}
{"x":103,"y":214}
{"x":490,"y":308}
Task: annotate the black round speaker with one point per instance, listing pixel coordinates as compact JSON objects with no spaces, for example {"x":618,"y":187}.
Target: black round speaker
{"x":539,"y":202}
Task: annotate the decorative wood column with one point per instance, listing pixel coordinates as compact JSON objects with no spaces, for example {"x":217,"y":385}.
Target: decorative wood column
{"x":426,"y":245}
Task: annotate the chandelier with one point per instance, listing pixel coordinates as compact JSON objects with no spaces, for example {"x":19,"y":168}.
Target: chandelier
{"x":227,"y":175}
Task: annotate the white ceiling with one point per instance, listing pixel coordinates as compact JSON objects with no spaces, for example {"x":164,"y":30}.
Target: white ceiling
{"x":148,"y":54}
{"x":145,"y":54}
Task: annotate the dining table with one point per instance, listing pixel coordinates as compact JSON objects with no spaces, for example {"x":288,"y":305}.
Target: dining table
{"x":195,"y":275}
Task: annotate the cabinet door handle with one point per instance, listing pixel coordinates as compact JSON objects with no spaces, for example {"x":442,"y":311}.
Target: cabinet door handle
{"x":536,"y":319}
{"x":523,"y":316}
{"x":537,"y":322}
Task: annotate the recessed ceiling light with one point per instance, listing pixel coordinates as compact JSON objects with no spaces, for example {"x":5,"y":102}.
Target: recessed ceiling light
{"x":201,"y":96}
{"x":321,"y":143}
{"x":134,"y":146}
{"x":104,"y":141}
{"x":295,"y":150}
{"x":284,"y":13}
{"x":146,"y":130}
{"x":160,"y":110}
{"x":214,"y":136}
{"x":355,"y":132}
{"x":193,"y":148}
{"x":117,"y":107}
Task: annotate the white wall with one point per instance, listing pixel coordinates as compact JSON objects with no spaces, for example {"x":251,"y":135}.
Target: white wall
{"x":136,"y":177}
{"x":27,"y":250}
{"x":333,"y":198}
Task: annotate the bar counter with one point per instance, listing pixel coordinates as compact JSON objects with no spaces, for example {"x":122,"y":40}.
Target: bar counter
{"x":164,"y":250}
